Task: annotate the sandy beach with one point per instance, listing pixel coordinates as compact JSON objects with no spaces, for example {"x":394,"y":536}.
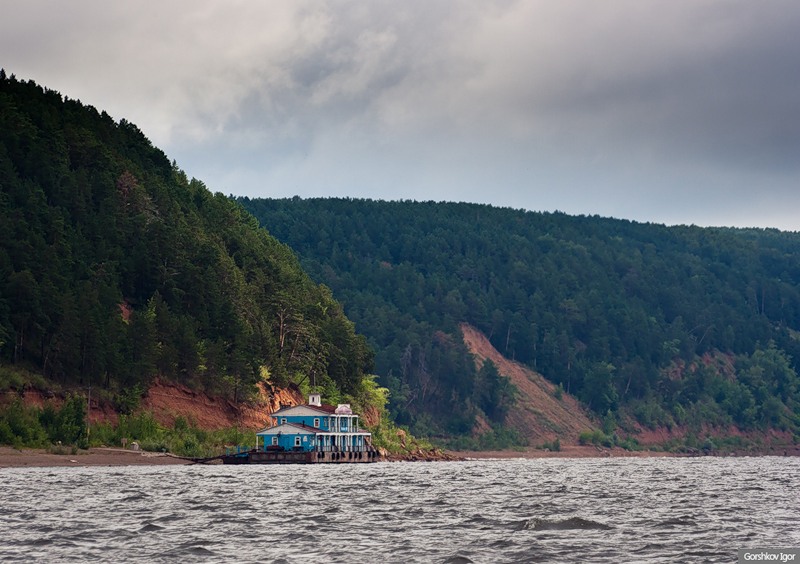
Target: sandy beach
{"x":12,"y":458}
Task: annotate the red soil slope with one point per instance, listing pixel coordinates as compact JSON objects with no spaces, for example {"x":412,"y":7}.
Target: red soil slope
{"x":167,"y":401}
{"x":537,"y":414}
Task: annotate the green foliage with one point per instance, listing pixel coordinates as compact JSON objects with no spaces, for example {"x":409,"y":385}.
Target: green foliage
{"x":595,"y":437}
{"x":629,"y":443}
{"x":622,"y":315}
{"x":651,"y":413}
{"x":139,"y":427}
{"x":115,"y":267}
{"x":493,"y":393}
{"x":397,"y":440}
{"x":598,"y":391}
{"x":66,"y":425}
{"x":609,"y":423}
{"x":554,"y":445}
{"x":31,"y":427}
{"x":127,"y":401}
{"x":368,"y":395}
{"x":183,"y":439}
{"x":21,"y":427}
{"x":498,"y":438}
{"x":16,"y":379}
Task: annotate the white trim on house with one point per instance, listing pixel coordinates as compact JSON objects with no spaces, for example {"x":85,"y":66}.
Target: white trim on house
{"x":293,"y":428}
{"x":301,"y":410}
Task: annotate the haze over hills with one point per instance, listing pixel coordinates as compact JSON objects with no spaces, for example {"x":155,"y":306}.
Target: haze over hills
{"x":665,"y":326}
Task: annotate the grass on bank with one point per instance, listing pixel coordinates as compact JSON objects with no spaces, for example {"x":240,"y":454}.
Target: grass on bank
{"x":63,"y":430}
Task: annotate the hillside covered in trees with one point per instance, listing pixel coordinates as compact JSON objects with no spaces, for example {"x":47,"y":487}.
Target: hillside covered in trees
{"x":115,"y":268}
{"x":667,"y":326}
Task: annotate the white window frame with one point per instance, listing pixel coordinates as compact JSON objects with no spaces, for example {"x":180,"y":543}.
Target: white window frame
{"x":275,"y":440}
{"x":316,"y":422}
{"x":297,"y":441}
{"x":283,"y":420}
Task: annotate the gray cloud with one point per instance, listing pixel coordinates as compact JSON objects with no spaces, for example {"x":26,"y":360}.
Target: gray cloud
{"x":670,"y":111}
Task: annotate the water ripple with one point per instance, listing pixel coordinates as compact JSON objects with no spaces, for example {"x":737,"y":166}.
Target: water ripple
{"x":553,"y":510}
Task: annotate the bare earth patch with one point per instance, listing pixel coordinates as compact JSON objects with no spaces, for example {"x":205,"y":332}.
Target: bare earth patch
{"x":537,"y":415}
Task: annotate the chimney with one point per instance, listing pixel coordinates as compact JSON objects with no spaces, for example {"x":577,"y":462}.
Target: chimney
{"x":315,"y":400}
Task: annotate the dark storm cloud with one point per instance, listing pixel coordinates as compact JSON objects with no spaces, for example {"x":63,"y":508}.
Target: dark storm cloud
{"x":673,"y":111}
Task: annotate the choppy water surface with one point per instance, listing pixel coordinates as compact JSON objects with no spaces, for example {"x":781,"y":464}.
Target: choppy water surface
{"x":555,"y":510}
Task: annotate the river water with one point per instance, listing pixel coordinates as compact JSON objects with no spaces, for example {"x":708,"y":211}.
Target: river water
{"x":551,"y":510}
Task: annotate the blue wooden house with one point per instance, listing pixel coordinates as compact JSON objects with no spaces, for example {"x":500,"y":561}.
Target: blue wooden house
{"x":333,"y":432}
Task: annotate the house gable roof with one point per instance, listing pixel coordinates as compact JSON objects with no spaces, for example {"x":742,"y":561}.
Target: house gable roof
{"x":300,"y":410}
{"x":290,"y":428}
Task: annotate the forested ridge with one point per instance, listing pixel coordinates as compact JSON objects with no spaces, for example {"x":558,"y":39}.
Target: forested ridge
{"x":666,"y":326}
{"x":116,"y":268}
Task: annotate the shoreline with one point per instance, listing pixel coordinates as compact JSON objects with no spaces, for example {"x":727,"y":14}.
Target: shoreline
{"x":588,"y":451}
{"x":105,"y":456}
{"x":96,"y":456}
{"x":567,"y":451}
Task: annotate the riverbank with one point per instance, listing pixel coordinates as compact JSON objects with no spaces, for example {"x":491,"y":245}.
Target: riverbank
{"x":10,"y":457}
{"x":567,"y":451}
{"x":589,"y":451}
{"x":13,"y":458}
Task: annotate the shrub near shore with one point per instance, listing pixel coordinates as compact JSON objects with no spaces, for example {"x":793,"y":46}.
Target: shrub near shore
{"x":183,"y":439}
{"x":58,"y":429}
{"x":22,"y":426}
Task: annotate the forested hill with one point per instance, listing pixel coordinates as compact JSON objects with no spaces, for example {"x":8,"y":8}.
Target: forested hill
{"x":115,"y":267}
{"x":669,"y":325}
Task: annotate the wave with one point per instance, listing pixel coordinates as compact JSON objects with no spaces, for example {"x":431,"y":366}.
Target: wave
{"x":458,"y":559}
{"x":684,"y":521}
{"x":135,"y":497}
{"x":572,"y":523}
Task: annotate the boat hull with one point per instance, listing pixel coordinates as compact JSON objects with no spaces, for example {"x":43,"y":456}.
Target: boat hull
{"x":291,"y":457}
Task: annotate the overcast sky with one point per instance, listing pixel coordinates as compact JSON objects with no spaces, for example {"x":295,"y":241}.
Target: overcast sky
{"x":673,"y":111}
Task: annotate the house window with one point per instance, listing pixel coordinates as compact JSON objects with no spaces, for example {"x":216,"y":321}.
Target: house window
{"x":283,"y":420}
{"x":297,"y":441}
{"x":316,"y":422}
{"x":275,"y":441}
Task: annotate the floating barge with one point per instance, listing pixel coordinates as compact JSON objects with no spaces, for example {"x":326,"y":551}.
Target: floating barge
{"x":313,"y":433}
{"x":268,"y":456}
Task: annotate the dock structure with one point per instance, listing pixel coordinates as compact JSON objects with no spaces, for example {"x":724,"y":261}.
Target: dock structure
{"x":309,"y":434}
